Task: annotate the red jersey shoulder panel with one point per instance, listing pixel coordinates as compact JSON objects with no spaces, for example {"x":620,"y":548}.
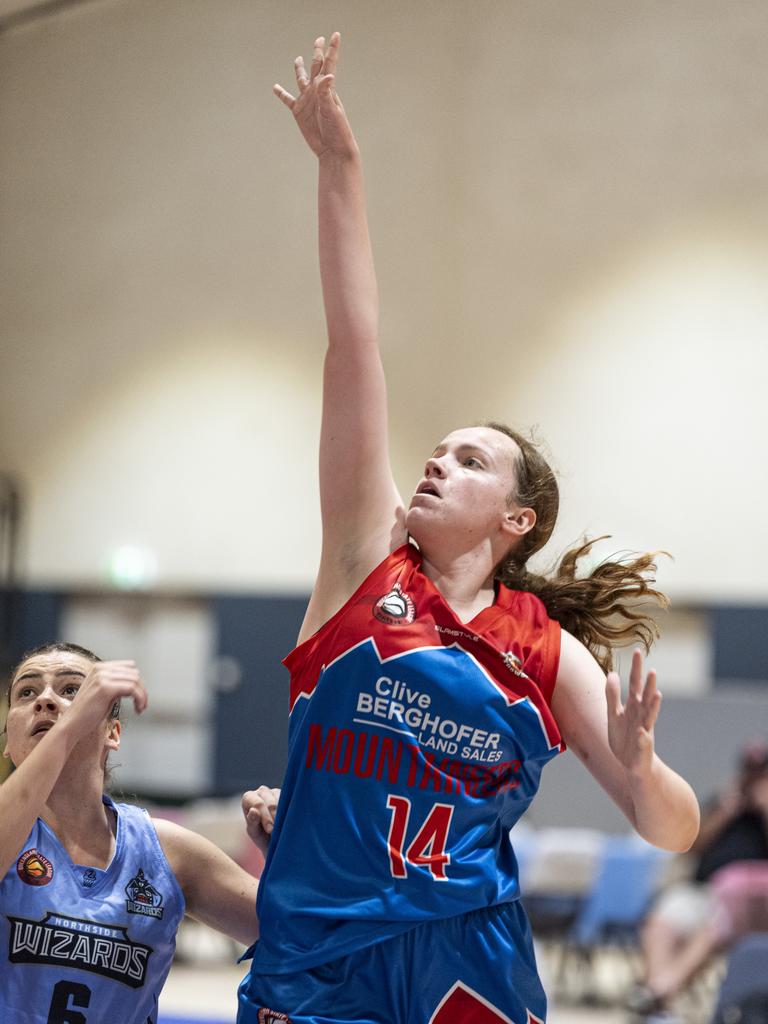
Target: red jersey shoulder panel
{"x":519,"y":617}
{"x":399,"y":609}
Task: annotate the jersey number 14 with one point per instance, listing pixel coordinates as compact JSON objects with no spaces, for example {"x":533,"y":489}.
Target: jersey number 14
{"x":427,"y":848}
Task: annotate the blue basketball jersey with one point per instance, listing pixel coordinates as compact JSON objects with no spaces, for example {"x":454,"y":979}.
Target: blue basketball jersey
{"x":416,"y":742}
{"x":80,"y":945}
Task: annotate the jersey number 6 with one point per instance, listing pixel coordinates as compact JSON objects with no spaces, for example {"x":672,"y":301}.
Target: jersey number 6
{"x":66,"y":996}
{"x":428,"y":846}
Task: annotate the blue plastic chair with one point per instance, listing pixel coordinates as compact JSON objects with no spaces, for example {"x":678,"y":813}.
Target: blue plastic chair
{"x":624,"y":887}
{"x":625,"y":884}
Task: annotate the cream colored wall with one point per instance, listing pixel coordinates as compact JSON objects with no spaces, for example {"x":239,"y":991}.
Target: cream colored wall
{"x":568,"y":204}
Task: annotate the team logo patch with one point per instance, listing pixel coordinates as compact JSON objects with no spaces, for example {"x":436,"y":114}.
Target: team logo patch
{"x":514,"y":664}
{"x":395,"y":608}
{"x":89,"y":878}
{"x":143,"y":897}
{"x":33,"y":868}
{"x":272,"y":1017}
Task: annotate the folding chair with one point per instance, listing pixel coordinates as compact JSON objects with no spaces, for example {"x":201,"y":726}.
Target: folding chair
{"x":625,"y":883}
{"x":557,"y":871}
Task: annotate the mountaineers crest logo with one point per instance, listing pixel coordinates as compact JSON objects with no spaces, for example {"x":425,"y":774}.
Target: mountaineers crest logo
{"x":514,"y":664}
{"x":143,"y":897}
{"x":395,"y":608}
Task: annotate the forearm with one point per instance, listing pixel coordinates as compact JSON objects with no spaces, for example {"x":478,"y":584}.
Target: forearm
{"x":234,"y":913}
{"x":24,"y":794}
{"x":350,"y":293}
{"x":665,"y":811}
{"x":217,"y":891}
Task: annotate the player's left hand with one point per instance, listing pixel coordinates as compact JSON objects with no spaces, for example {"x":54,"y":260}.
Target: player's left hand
{"x":317,"y":108}
{"x":630,"y":725}
{"x":259,"y":809}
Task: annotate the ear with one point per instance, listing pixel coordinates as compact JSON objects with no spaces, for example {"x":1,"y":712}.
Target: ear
{"x":113,"y":734}
{"x":7,"y":750}
{"x":518,"y":522}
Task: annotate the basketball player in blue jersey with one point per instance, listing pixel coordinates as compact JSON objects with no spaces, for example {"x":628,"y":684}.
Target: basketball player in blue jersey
{"x":434,"y":678}
{"x":92,"y":892}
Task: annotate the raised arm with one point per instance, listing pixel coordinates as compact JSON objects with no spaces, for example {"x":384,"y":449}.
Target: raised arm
{"x":615,"y":742}
{"x":24,"y":794}
{"x":362,"y":512}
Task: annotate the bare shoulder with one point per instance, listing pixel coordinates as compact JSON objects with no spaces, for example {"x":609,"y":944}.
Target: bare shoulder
{"x":578,"y":669}
{"x":187,"y":852}
{"x":175,"y":841}
{"x":578,"y":703}
{"x":170,"y":833}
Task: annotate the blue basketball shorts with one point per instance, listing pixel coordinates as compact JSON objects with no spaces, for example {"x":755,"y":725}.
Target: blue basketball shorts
{"x":477,"y":968}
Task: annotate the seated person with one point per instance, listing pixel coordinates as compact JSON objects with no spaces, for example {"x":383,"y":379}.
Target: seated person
{"x":694,"y":919}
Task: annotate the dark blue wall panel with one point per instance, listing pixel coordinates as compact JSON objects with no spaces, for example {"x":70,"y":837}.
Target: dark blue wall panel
{"x":27,"y":619}
{"x":251,"y":719}
{"x":740,"y":640}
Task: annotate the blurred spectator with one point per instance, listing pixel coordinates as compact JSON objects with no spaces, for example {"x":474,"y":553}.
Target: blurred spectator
{"x":726,"y":897}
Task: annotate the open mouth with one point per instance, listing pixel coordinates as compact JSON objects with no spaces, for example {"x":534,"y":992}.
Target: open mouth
{"x":427,"y":489}
{"x":42,"y":727}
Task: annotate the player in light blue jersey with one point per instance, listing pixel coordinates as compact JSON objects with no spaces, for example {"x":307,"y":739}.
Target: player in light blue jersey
{"x":92,"y":892}
{"x":435,"y":675}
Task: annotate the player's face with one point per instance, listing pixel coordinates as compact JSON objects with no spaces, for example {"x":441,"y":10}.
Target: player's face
{"x":465,"y":489}
{"x":42,"y":689}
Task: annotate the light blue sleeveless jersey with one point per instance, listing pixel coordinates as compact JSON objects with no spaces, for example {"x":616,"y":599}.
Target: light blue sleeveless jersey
{"x":79,"y":945}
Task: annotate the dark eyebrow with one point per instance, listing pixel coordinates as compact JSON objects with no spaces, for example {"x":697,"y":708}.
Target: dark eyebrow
{"x":28,"y":675}
{"x":62,"y":672}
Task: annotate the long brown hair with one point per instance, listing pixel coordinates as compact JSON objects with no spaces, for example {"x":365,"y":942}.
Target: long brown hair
{"x":609,"y":607}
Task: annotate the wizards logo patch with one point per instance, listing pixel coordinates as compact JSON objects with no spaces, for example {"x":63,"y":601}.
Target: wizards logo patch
{"x":395,"y":608}
{"x":33,"y":868}
{"x":143,"y":897}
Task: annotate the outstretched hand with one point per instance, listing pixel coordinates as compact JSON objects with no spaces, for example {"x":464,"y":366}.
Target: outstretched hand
{"x":630,"y":725}
{"x":259,"y":810}
{"x":317,"y":109}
